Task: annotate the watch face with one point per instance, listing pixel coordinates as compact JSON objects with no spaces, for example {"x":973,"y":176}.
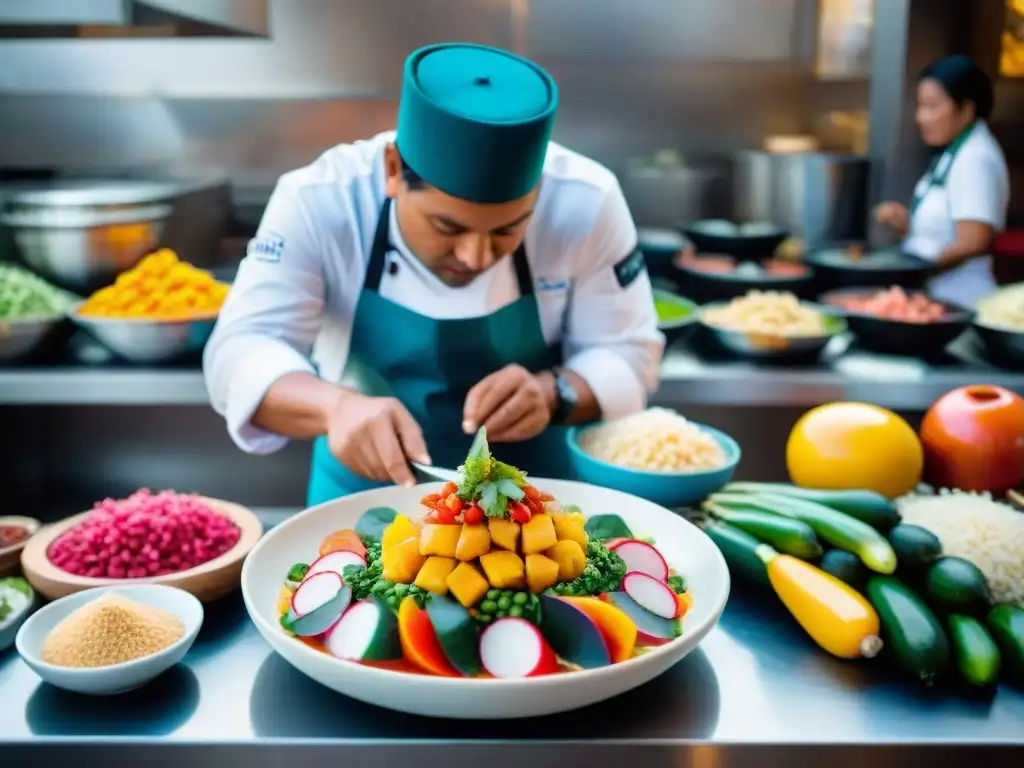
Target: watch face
{"x":566,"y":391}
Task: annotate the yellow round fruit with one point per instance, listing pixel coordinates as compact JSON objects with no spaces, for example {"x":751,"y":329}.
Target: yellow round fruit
{"x":854,"y":445}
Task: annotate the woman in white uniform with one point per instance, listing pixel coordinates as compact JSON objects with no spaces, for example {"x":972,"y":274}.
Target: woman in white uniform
{"x":461,"y":271}
{"x":961,"y":201}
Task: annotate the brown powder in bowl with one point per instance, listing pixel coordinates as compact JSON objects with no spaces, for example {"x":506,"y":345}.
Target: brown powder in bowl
{"x":110,"y":630}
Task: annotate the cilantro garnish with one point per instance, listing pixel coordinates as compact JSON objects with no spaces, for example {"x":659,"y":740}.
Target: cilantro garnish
{"x":487,"y":481}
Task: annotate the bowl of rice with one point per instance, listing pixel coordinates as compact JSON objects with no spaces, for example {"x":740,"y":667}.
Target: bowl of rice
{"x":656,"y":454}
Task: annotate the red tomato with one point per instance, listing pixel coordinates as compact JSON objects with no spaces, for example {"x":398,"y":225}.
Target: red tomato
{"x":519,"y":513}
{"x":454,"y":503}
{"x":472,"y":515}
{"x":448,"y":490}
{"x":973,"y":439}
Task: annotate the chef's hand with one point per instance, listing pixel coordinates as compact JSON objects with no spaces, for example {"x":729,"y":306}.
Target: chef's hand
{"x":512,"y":403}
{"x":376,"y":437}
{"x":894,"y":215}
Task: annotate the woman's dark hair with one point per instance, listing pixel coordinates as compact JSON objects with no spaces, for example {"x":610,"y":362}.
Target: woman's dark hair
{"x":963,"y":81}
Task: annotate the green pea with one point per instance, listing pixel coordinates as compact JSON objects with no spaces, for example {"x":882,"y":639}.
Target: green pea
{"x":413,"y":589}
{"x":484,"y":618}
{"x":392,"y":601}
{"x":401,"y":589}
{"x":502,"y":614}
{"x":515,"y":611}
{"x":488,"y":606}
{"x":493,"y":594}
{"x":504,"y":603}
{"x":507,"y":593}
{"x":521,"y":598}
{"x":534,"y":600}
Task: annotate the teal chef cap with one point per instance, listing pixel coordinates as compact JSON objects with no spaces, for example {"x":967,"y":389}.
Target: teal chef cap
{"x":475,"y":121}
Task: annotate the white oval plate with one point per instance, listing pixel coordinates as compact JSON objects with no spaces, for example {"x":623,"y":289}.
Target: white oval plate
{"x":686,"y":548}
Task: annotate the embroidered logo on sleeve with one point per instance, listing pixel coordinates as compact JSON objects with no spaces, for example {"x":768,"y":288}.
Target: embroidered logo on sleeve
{"x":630,"y":268}
{"x":267,"y":246}
{"x":551,"y":286}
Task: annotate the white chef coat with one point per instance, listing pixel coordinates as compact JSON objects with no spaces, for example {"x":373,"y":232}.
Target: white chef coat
{"x":293,"y":302}
{"x":977,"y":188}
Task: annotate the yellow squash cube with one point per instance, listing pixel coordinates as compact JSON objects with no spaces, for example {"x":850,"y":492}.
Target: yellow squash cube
{"x":570,"y":558}
{"x":571,"y":528}
{"x":402,"y":561}
{"x":504,"y":533}
{"x":538,"y":534}
{"x":467,"y":585}
{"x":541,"y":573}
{"x":400,"y":529}
{"x":441,"y":540}
{"x":504,"y":570}
{"x":473,"y":542}
{"x":433,"y":576}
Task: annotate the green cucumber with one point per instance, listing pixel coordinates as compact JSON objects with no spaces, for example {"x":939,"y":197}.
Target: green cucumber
{"x":914,"y":546}
{"x":739,"y":549}
{"x":837,"y":528}
{"x":911,"y":632}
{"x":845,"y":566}
{"x":976,"y":653}
{"x":456,"y":633}
{"x":787,"y":535}
{"x":956,"y":585}
{"x":867,"y":506}
{"x":1006,"y":622}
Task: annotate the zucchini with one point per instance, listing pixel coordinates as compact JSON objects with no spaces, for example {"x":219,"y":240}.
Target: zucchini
{"x":867,"y":506}
{"x":844,"y":566}
{"x":456,"y":634}
{"x":914,"y":546}
{"x":837,"y":528}
{"x":739,"y":549}
{"x":1006,"y":622}
{"x":956,"y":585}
{"x":910,"y":630}
{"x":786,"y":534}
{"x":976,"y":653}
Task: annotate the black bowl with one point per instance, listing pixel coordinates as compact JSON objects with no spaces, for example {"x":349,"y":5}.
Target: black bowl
{"x":879,"y":268}
{"x":707,"y":239}
{"x":898,"y":337}
{"x":706,"y":287}
{"x":1003,"y":345}
{"x":659,"y":247}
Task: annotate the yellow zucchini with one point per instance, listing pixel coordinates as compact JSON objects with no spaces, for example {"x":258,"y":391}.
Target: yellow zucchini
{"x":837,"y":617}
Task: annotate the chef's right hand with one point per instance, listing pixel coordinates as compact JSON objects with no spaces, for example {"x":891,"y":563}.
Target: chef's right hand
{"x":376,"y":437}
{"x":894,"y":215}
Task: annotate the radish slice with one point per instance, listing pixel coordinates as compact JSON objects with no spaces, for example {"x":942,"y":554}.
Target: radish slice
{"x":367,"y":632}
{"x":335,"y":562}
{"x":315,"y":591}
{"x":641,"y":557}
{"x":515,"y":648}
{"x":651,"y":594}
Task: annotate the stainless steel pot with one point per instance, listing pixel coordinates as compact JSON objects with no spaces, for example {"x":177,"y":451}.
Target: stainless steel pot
{"x":81,"y":235}
{"x":819,"y":197}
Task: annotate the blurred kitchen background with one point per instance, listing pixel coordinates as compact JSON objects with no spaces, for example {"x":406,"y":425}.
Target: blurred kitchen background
{"x":683,"y":98}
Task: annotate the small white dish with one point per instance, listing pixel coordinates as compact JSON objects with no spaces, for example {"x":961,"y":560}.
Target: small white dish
{"x":118,"y":678}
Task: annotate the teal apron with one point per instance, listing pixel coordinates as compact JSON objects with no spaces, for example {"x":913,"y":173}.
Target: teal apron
{"x":430,"y":365}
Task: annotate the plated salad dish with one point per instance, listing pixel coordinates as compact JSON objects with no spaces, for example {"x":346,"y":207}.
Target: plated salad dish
{"x":488,"y":578}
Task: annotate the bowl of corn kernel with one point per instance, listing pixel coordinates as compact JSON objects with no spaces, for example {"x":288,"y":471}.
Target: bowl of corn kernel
{"x":160,"y":309}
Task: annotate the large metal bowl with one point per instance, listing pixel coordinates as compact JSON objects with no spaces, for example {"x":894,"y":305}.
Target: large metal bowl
{"x":21,"y":336}
{"x":142,"y":340}
{"x":82,"y":237}
{"x":770,"y":345}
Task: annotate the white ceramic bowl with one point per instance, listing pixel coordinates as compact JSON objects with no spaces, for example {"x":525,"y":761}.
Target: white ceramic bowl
{"x":685,"y":547}
{"x":118,"y":678}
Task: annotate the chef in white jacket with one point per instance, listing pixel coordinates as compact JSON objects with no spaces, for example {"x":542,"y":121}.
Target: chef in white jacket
{"x":461,"y":271}
{"x":960,"y":203}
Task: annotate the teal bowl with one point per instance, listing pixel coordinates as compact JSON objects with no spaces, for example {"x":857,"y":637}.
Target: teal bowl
{"x":669,"y":489}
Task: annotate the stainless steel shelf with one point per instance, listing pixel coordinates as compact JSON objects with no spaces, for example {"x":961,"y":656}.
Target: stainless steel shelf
{"x":687,"y":379}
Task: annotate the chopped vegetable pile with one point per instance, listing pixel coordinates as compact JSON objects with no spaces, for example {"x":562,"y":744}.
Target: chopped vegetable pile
{"x":23,"y":295}
{"x":15,"y":593}
{"x":495,"y":578}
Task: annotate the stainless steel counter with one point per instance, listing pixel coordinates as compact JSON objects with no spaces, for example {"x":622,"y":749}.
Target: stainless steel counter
{"x":756,"y":693}
{"x":893,"y":382}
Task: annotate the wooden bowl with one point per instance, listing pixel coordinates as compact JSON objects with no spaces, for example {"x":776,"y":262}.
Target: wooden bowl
{"x":209,"y":581}
{"x":10,"y":556}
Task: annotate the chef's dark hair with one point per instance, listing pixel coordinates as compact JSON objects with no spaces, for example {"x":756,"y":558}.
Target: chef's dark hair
{"x":412,"y":179}
{"x":963,"y":81}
